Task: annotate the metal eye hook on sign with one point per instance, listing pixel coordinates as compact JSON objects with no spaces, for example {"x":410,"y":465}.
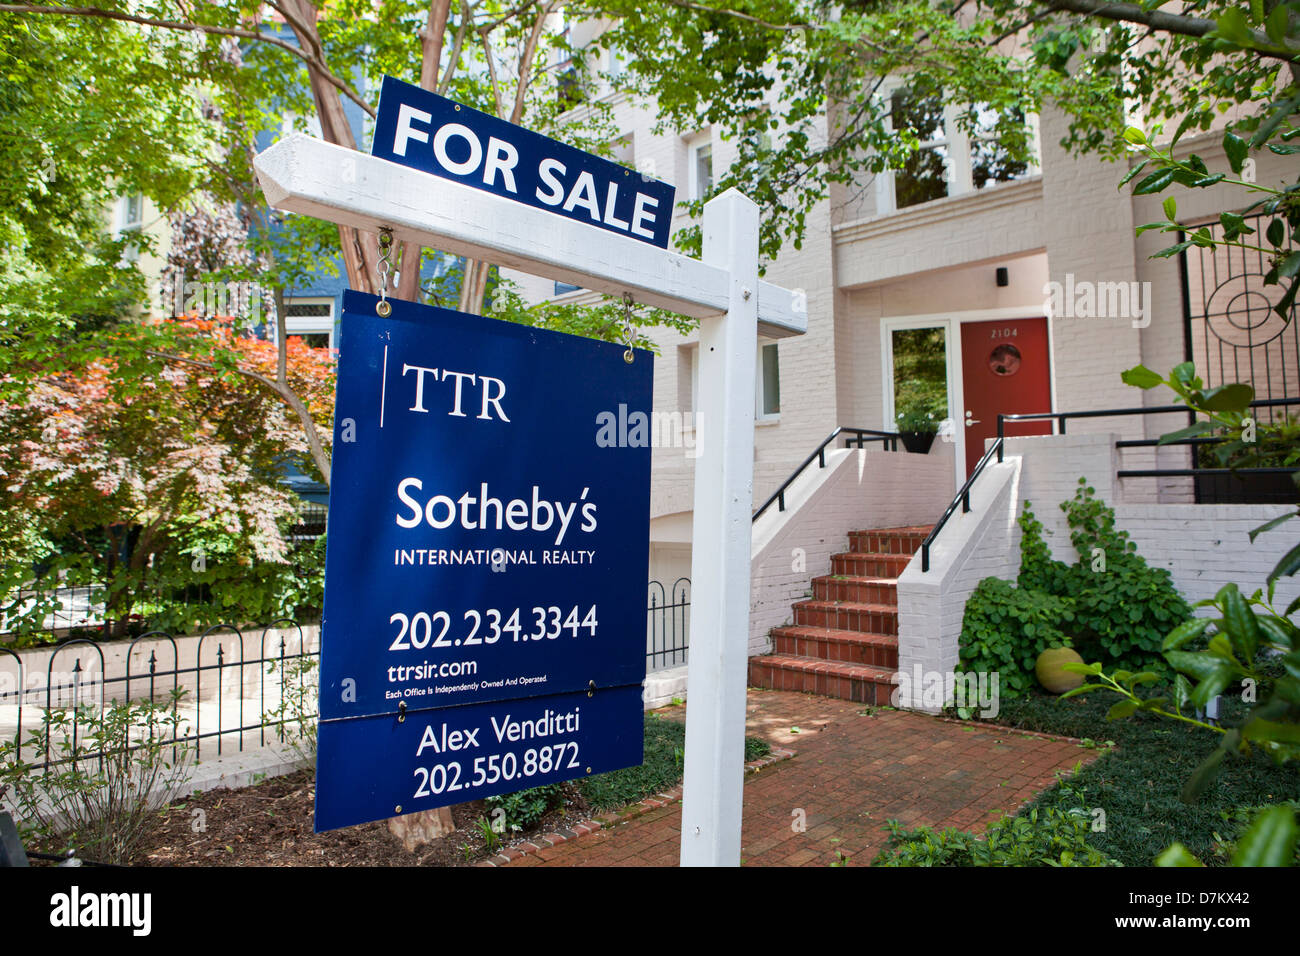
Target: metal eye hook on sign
{"x":628,"y":337}
{"x":382,"y":308}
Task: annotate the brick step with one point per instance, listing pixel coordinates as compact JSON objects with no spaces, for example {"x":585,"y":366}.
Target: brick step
{"x":836,"y":587}
{"x":856,"y":682}
{"x":856,"y":565}
{"x":887,"y":540}
{"x":849,"y":647}
{"x":866,"y":618}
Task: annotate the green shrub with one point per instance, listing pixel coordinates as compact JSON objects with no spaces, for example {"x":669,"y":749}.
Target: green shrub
{"x":111,"y":768}
{"x":1110,"y":605}
{"x":1048,"y":837}
{"x":524,"y":808}
{"x":1122,"y":606}
{"x":1005,"y":628}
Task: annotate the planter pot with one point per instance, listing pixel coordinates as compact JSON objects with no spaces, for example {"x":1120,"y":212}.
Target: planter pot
{"x":917,"y":442}
{"x":1048,"y":669}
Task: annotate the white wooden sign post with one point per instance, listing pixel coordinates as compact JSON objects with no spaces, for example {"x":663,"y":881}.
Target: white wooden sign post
{"x":307,"y":176}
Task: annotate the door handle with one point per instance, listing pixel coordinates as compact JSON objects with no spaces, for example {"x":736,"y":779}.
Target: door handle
{"x":971,"y":421}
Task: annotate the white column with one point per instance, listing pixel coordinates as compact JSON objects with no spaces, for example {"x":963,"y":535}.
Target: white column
{"x":724,"y":471}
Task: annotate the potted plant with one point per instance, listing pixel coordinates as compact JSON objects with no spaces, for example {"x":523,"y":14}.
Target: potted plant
{"x":917,"y":428}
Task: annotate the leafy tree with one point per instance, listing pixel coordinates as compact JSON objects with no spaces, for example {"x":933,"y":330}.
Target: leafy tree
{"x":123,"y":456}
{"x":799,"y":86}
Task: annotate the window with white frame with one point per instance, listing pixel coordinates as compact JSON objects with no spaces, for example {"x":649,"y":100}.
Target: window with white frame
{"x":950,"y":161}
{"x":700,"y":167}
{"x":310,"y":319}
{"x":130,"y":219}
{"x":767,"y":381}
{"x":768,"y":400}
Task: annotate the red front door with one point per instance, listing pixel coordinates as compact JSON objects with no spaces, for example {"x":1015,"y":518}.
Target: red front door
{"x":1004,"y":367}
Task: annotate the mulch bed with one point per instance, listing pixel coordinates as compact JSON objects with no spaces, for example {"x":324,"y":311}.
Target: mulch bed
{"x":270,"y":824}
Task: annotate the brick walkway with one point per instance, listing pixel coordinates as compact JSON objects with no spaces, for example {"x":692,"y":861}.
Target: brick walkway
{"x":852,"y":771}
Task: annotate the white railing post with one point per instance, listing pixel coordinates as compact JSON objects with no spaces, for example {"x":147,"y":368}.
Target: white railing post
{"x":715,"y":713}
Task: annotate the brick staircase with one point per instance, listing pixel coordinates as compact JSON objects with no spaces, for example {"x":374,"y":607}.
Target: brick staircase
{"x":844,"y":640}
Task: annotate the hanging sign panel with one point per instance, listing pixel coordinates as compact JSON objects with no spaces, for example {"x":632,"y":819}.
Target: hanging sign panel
{"x":425,"y":131}
{"x":486,"y":561}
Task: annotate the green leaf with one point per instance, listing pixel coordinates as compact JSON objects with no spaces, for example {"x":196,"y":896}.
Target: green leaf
{"x":1135,"y":136}
{"x":1232,"y":25}
{"x":1270,"y":839}
{"x":1182,"y":691}
{"x":1276,"y":25}
{"x":1209,"y":180}
{"x":1235,"y":396}
{"x":1185,"y":633}
{"x":1131,"y":173}
{"x":1177,"y":855}
{"x":1241,"y":624}
{"x":1085,"y":669}
{"x":1170,"y":207}
{"x":1288,"y":566}
{"x":1173,"y":250}
{"x":1259,"y":729}
{"x":1284,"y":150}
{"x":1265,"y":129}
{"x":1141,"y":376}
{"x":1191,"y":431}
{"x":1203,"y":776}
{"x":1270,"y":525}
{"x":1289,"y":266}
{"x":1121,"y":709}
{"x":1154,"y":183}
{"x":1235,"y":148}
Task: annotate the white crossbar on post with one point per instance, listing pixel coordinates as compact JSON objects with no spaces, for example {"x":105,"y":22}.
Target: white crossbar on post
{"x":305,"y":175}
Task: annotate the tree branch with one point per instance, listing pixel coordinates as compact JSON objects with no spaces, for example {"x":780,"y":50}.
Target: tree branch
{"x":284,"y":391}
{"x":1175,"y":23}
{"x":97,"y":12}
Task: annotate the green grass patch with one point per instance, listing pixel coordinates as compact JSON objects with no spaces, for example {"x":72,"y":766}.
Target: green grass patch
{"x":1138,"y":781}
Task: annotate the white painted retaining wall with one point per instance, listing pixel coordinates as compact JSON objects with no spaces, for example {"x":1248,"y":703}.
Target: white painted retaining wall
{"x":857,"y":490}
{"x":1203,"y":546}
{"x":983,"y":542}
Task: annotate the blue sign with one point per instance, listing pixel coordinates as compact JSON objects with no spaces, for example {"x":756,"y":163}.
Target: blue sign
{"x":431,"y":133}
{"x":486,"y":562}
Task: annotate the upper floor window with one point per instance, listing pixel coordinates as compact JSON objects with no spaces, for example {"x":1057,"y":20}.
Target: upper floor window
{"x":700,"y":158}
{"x":130,"y":218}
{"x":950,"y":161}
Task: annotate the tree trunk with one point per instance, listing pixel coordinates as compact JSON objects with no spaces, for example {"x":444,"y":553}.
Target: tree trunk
{"x":417,"y":829}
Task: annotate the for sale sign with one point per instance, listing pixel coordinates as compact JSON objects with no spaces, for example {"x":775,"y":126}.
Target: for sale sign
{"x":484,"y":620}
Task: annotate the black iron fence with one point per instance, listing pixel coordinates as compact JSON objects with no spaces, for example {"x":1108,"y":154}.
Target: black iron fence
{"x":273,"y":674}
{"x":225,"y":689}
{"x":668,"y":624}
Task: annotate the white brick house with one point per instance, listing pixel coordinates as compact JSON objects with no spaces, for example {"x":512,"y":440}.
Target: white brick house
{"x":963,"y":263}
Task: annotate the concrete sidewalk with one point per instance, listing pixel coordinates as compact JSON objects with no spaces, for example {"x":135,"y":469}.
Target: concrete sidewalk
{"x":853,"y":769}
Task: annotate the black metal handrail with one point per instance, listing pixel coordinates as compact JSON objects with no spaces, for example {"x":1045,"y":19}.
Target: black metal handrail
{"x":961,"y":498}
{"x":860,"y":436}
{"x":1060,"y":418}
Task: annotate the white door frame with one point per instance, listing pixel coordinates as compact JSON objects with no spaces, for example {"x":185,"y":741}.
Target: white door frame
{"x":951,"y":323}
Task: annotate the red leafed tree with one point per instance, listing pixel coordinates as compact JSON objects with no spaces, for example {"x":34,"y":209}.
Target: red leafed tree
{"x":121,"y":454}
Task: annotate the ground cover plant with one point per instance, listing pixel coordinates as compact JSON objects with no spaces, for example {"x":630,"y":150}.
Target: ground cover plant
{"x":1138,"y":782}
